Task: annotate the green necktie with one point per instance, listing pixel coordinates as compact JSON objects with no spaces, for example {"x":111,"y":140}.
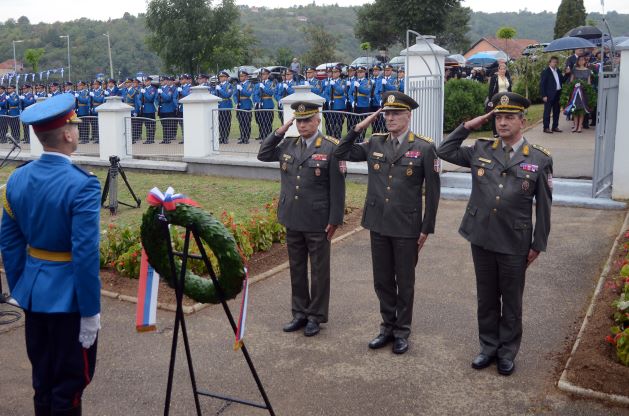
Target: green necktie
{"x":507,"y":149}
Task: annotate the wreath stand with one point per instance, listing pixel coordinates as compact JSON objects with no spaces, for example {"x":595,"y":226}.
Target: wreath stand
{"x":180,"y":321}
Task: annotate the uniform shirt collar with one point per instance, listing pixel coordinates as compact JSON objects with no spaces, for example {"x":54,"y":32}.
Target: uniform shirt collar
{"x":311,"y":139}
{"x":516,"y":145}
{"x":401,"y":137}
{"x":57,"y":154}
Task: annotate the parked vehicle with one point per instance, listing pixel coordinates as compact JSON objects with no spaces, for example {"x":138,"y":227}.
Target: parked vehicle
{"x":397,"y":62}
{"x":321,"y":69}
{"x":366,"y":61}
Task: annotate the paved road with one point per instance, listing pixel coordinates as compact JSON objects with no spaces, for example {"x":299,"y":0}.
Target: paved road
{"x":335,"y":373}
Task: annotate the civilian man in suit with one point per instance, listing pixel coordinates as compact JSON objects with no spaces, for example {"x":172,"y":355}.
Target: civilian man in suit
{"x":507,"y":174}
{"x":400,"y":164}
{"x":550,"y":89}
{"x":311,"y":206}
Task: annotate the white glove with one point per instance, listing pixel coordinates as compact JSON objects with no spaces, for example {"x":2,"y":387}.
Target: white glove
{"x":325,"y":83}
{"x":106,"y":92}
{"x":134,"y":114}
{"x":91,"y":94}
{"x":348,"y":83}
{"x":384,"y":81}
{"x":239,"y":87}
{"x":76,"y":95}
{"x":22,"y":97}
{"x":89,"y":330}
{"x":142,"y":90}
{"x":179,"y":89}
{"x":285,"y":85}
{"x":356,"y":84}
{"x":159,"y":91}
{"x":261,"y":86}
{"x":49,"y":95}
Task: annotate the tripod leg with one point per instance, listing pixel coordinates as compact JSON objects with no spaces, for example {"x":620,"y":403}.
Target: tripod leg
{"x":124,"y":177}
{"x":113,"y":191}
{"x":105,"y":190}
{"x":221,"y":294}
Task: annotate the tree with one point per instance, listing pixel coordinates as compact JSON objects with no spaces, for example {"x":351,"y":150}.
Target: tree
{"x":33,"y":56}
{"x":384,"y":22}
{"x":188,"y":34}
{"x":454,"y":36}
{"x":322,"y":45}
{"x":505,"y":33}
{"x":571,"y":13}
{"x":283,"y":56}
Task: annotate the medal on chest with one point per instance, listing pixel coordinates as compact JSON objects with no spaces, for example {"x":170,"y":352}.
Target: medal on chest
{"x":480,"y":172}
{"x":284,"y":166}
{"x":376,"y":166}
{"x":317,"y":172}
{"x":409,"y":171}
{"x":525,"y":185}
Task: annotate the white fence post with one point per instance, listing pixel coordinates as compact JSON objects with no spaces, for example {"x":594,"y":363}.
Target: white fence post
{"x":302,"y":93}
{"x":200,"y":123}
{"x":111,"y":129}
{"x":620,"y":187}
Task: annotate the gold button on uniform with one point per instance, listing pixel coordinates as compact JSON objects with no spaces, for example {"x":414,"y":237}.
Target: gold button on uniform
{"x":386,"y":200}
{"x":388,"y":188}
{"x":500,"y":186}
{"x":297,"y":187}
{"x":390,"y":176}
{"x":494,"y":210}
{"x":296,"y":196}
{"x":298,"y":177}
{"x":497,"y":198}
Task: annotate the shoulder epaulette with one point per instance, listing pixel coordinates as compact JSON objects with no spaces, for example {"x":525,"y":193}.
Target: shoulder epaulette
{"x":541,"y":149}
{"x":332,"y":140}
{"x":425,"y":138}
{"x":80,"y":169}
{"x":380,"y":134}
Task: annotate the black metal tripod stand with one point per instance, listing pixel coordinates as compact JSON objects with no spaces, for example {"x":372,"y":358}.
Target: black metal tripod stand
{"x":180,"y":321}
{"x":111,"y":187}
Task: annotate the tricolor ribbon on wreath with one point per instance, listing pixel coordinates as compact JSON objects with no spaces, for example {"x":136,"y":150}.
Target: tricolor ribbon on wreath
{"x":576,"y":93}
{"x":168,"y":200}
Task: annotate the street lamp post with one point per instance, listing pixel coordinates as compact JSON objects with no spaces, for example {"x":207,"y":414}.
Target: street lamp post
{"x":15,"y":59}
{"x":69,"y":67}
{"x":111,"y":64}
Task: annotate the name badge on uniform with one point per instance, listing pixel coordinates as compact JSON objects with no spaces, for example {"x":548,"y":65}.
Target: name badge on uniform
{"x":377,"y":154}
{"x":529,"y":167}
{"x":413,"y":154}
{"x":320,"y":156}
{"x":287,"y":157}
{"x":482,"y":159}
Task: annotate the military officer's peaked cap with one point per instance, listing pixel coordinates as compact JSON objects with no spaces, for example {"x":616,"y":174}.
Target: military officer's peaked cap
{"x":54,"y":84}
{"x":401,"y":69}
{"x":243,"y":71}
{"x":26,"y":86}
{"x":361,"y":68}
{"x":205,"y":75}
{"x":377,"y":66}
{"x":111,"y":80}
{"x":397,"y":101}
{"x":221,"y":74}
{"x":97,"y":81}
{"x":388,"y":66}
{"x":305,"y":109}
{"x":265,"y":70}
{"x":310,"y":68}
{"x":2,"y":87}
{"x":291,"y":71}
{"x":81,"y":83}
{"x":129,"y":79}
{"x":509,"y":102}
{"x":51,"y":114}
{"x":184,"y":76}
{"x":11,"y":86}
{"x":68,"y":83}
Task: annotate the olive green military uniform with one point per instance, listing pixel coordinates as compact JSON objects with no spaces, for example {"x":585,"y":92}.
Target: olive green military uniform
{"x":498,"y":223}
{"x":312,"y":196}
{"x":393,"y":214}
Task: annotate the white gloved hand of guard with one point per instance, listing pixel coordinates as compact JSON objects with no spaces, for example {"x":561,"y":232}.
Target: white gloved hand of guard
{"x":142,"y":90}
{"x":106,"y":92}
{"x":384,"y":81}
{"x":261,"y":85}
{"x":159,"y":91}
{"x":89,"y":329}
{"x":179,"y":89}
{"x":239,"y":87}
{"x":91,"y":94}
{"x":356,"y":84}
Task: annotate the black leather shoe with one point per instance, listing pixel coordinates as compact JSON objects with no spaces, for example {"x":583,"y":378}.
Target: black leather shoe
{"x":380,"y":341}
{"x":312,"y":328}
{"x":295,"y":324}
{"x":505,"y":366}
{"x":482,"y":361}
{"x":549,"y":131}
{"x":400,"y":345}
{"x":557,"y":130}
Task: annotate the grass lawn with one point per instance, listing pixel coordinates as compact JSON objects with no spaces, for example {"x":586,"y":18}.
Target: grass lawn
{"x":215,"y":194}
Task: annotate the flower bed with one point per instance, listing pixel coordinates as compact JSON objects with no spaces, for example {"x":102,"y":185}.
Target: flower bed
{"x":619,"y":338}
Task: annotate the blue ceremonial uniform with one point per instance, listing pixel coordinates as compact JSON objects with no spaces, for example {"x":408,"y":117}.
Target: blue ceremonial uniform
{"x":166,"y":97}
{"x":27,"y":100}
{"x":4,"y":125}
{"x":316,"y":86}
{"x":243,"y":101}
{"x":4,"y":107}
{"x":263,"y":99}
{"x":147,"y":98}
{"x":83,"y":101}
{"x":401,"y":85}
{"x":224,"y":91}
{"x":97,"y":98}
{"x":13,"y":106}
{"x":388,"y":84}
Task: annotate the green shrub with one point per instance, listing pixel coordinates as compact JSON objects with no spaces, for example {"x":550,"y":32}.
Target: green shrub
{"x":464,"y":99}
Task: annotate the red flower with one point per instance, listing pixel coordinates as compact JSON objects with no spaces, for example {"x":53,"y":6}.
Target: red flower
{"x":627,"y":234}
{"x":611,"y":340}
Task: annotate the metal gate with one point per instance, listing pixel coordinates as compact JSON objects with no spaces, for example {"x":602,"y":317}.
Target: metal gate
{"x":427,"y":90}
{"x":607,"y":106}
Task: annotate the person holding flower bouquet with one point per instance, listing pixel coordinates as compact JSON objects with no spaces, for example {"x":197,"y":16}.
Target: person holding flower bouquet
{"x":579,"y":102}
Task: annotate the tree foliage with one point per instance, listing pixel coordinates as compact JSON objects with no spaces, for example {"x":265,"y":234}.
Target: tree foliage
{"x":455,"y":37}
{"x":571,"y":13}
{"x":322,"y":46}
{"x":283,"y":56}
{"x":33,"y":56}
{"x":192,"y":34}
{"x":384,"y":22}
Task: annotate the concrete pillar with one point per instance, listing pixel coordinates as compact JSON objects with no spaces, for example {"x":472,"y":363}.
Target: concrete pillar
{"x":302,"y":93}
{"x":111,"y":129}
{"x":620,"y":187}
{"x":425,"y":83}
{"x":36,"y":147}
{"x":200,"y":123}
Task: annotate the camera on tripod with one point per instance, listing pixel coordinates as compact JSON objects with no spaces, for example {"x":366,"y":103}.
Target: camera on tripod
{"x":111,"y":187}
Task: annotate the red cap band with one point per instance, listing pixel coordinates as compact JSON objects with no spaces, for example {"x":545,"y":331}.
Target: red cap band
{"x":70,"y":117}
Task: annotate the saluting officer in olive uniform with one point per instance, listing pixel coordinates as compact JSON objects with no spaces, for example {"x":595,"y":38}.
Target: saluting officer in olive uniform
{"x":311,"y":206}
{"x":400,"y":164}
{"x":507,"y":174}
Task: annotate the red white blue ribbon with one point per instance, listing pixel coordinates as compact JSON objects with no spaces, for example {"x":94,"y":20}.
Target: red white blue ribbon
{"x":146,"y":308}
{"x":168,"y":200}
{"x":242,"y":319}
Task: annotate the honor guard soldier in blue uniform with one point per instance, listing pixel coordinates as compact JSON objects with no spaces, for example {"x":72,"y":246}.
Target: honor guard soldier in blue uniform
{"x":284,"y":89}
{"x":146,"y":98}
{"x":402,"y":165}
{"x":182,"y":92}
{"x":225,"y":91}
{"x":167,"y":110}
{"x":263,"y":97}
{"x":401,"y":74}
{"x":131,"y":97}
{"x":337,"y":97}
{"x":362,"y":101}
{"x":50,"y":249}
{"x":54,"y":89}
{"x":376,"y":98}
{"x":203,"y":80}
{"x":68,"y":87}
{"x":112,"y":88}
{"x":508,"y":173}
{"x":311,"y":207}
{"x":13,"y":105}
{"x":40,"y":90}
{"x":27,"y":99}
{"x":242,"y":99}
{"x":83,"y":109}
{"x":97,"y":96}
{"x":316,"y":86}
{"x":350,"y":93}
{"x":4,"y":111}
{"x":389,"y":81}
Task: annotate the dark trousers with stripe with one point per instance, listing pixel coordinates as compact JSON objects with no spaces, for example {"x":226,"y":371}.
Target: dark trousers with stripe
{"x":224,"y":124}
{"x":309,"y":301}
{"x":394,"y":260}
{"x":499,"y":288}
{"x":62,"y":368}
{"x":244,"y":123}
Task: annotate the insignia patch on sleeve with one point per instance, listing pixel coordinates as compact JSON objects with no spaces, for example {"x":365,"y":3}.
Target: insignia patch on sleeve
{"x":550,"y":181}
{"x":343,"y":167}
{"x":437,"y":165}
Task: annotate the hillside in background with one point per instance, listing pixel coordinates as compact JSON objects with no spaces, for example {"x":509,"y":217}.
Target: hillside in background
{"x":271,"y":29}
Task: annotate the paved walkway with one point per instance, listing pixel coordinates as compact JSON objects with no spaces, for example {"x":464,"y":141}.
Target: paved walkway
{"x":335,"y":373}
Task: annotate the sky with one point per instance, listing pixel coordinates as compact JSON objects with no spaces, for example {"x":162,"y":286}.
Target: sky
{"x":64,"y":10}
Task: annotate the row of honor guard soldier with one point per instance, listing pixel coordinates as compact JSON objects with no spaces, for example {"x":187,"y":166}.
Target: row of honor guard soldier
{"x":11,"y":105}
